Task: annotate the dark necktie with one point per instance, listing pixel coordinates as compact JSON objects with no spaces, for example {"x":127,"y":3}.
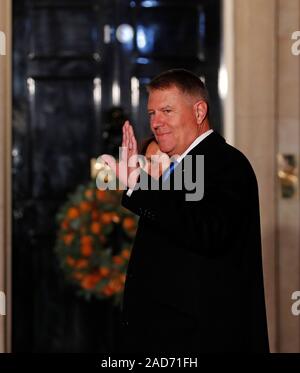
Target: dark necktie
{"x":168,"y":172}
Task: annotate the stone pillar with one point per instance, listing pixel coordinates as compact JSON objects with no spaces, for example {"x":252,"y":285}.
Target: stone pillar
{"x":288,"y":143}
{"x":266,"y":116}
{"x":254,"y":115}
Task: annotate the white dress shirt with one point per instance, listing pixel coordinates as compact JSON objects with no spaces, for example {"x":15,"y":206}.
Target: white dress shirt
{"x":180,"y":158}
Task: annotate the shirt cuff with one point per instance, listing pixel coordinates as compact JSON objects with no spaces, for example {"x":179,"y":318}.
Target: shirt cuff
{"x":129,"y":192}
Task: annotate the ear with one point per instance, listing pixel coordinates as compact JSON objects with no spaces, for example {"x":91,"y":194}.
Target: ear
{"x":200,"y":108}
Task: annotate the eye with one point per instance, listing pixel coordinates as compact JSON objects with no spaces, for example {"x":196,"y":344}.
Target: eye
{"x":167,"y":111}
{"x":150,"y":114}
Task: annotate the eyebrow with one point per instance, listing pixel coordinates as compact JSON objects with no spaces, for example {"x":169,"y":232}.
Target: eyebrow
{"x":162,"y":108}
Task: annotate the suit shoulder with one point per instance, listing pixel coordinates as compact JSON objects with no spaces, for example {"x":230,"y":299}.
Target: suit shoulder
{"x":238,"y":160}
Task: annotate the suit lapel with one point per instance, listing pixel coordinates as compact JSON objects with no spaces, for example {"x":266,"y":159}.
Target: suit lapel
{"x":208,"y":145}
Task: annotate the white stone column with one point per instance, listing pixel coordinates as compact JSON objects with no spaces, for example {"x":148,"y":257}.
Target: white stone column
{"x":251,"y":64}
{"x":288,"y":139}
{"x":264,"y":123}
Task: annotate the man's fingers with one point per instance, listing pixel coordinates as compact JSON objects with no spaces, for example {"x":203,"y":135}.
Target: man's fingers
{"x":129,"y":140}
{"x":128,"y":129}
{"x":123,"y":137}
{"x":133,"y":143}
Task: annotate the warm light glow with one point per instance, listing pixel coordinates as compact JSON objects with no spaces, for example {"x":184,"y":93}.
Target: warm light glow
{"x":107,"y":34}
{"x":31,"y":86}
{"x":116,"y":94}
{"x":97,"y":91}
{"x":135,"y":92}
{"x":223,"y":82}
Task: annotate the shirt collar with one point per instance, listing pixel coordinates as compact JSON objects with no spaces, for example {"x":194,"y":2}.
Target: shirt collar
{"x":194,"y":144}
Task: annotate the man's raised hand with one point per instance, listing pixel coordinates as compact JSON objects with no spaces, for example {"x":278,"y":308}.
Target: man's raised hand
{"x":127,"y":169}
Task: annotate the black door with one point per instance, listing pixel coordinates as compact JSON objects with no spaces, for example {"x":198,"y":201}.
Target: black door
{"x":80,"y":69}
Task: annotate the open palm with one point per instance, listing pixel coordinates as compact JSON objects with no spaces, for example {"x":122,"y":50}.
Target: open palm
{"x":127,"y":169}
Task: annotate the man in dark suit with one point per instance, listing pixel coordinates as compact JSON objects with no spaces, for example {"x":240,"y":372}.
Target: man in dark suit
{"x":194,"y":281}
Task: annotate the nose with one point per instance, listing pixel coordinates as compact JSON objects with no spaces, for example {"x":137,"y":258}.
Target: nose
{"x":156,"y":121}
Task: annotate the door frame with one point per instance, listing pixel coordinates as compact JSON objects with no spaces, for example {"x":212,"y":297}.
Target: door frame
{"x":5,"y":173}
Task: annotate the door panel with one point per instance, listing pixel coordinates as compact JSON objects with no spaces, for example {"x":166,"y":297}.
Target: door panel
{"x":80,"y":69}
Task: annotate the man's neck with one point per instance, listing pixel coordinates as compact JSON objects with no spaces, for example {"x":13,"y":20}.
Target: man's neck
{"x":195,"y":143}
{"x":203,"y":128}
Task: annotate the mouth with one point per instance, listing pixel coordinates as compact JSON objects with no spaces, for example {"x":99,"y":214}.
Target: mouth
{"x":160,"y":135}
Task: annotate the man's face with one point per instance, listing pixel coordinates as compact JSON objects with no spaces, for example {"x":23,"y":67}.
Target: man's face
{"x":172,"y":119}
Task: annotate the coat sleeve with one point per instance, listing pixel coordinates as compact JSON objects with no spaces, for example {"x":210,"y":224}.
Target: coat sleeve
{"x":212,"y":220}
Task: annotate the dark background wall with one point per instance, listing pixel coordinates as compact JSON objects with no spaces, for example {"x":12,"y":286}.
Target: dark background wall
{"x":77,"y":75}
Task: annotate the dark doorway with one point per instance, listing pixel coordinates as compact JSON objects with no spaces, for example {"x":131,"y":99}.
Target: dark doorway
{"x":77,"y":63}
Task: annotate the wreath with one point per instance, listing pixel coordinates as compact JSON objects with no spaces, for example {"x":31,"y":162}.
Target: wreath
{"x":94,"y":239}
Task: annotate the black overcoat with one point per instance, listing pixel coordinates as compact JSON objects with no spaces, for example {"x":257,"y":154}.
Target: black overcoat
{"x":194,"y":282}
